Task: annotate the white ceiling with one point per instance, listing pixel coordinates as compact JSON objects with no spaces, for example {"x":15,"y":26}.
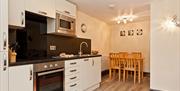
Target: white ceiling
{"x":101,"y":10}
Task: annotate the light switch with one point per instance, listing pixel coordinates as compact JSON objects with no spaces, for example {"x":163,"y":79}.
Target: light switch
{"x":52,"y":47}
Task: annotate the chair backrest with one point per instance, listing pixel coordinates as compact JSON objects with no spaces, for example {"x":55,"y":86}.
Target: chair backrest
{"x":114,"y":60}
{"x":136,"y":54}
{"x":130,"y":63}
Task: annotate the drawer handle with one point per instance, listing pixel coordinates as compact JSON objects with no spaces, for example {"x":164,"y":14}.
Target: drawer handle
{"x":4,"y":40}
{"x":5,"y":62}
{"x":73,"y":70}
{"x":73,"y":78}
{"x":42,"y":12}
{"x":22,"y":15}
{"x":73,"y":63}
{"x":86,"y":59}
{"x":67,"y":12}
{"x":73,"y":85}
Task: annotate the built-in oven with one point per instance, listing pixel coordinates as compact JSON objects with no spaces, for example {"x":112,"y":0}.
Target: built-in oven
{"x":49,"y":76}
{"x":65,"y":24}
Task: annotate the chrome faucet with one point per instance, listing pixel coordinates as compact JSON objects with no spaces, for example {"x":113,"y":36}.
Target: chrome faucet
{"x":80,"y":49}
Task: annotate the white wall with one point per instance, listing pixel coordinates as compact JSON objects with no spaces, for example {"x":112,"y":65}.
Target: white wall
{"x":165,"y":47}
{"x":132,"y":43}
{"x":99,"y":33}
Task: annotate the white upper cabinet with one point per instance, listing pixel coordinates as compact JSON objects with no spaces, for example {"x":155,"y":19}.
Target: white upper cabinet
{"x":21,"y":78}
{"x":16,"y":13}
{"x":4,"y":26}
{"x":65,"y":7}
{"x":42,"y":7}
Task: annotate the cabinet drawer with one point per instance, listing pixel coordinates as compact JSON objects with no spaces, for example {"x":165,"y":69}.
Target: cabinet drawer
{"x":71,"y":63}
{"x":74,"y":86}
{"x":72,"y":78}
{"x":72,"y":70}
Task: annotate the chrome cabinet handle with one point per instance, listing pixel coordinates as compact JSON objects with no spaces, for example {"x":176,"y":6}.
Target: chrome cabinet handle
{"x":4,"y":62}
{"x":31,"y":74}
{"x":73,"y":85}
{"x":67,"y":12}
{"x":86,"y":59}
{"x":92,"y":62}
{"x":42,"y":12}
{"x":4,"y":41}
{"x":73,"y":70}
{"x":22,"y":15}
{"x":73,"y":63}
{"x":73,"y":78}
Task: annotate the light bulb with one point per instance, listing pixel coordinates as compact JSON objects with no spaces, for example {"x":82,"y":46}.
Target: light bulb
{"x":118,"y":22}
{"x":131,"y":19}
{"x":125,"y":21}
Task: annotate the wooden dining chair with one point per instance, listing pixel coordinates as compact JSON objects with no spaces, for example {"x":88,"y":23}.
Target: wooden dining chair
{"x":121,"y":58}
{"x":114,"y":64}
{"x":138,"y":56}
{"x":129,"y":65}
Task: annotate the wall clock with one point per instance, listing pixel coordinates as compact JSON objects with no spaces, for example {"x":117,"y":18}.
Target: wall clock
{"x":83,"y":28}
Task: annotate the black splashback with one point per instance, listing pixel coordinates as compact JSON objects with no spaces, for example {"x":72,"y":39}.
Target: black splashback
{"x":34,"y":42}
{"x":67,"y":45}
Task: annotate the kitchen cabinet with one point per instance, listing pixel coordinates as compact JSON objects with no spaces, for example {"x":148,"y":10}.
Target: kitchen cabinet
{"x":21,"y":78}
{"x":4,"y":26}
{"x":90,"y":73}
{"x":72,"y":75}
{"x":16,"y":14}
{"x":3,"y":45}
{"x":65,"y":7}
{"x":42,"y":7}
{"x":3,"y":71}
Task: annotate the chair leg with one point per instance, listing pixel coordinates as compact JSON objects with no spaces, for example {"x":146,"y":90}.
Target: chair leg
{"x":124,"y":72}
{"x":119,"y":74}
{"x":134,"y":76}
{"x":110,"y":74}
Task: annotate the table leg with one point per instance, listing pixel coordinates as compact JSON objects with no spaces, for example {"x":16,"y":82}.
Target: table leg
{"x":139,"y":72}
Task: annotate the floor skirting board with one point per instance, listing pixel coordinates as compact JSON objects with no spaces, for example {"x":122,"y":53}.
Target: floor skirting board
{"x":106,"y":72}
{"x":154,"y":90}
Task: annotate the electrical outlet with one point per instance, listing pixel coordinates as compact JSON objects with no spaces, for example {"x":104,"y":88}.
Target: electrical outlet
{"x":52,"y":48}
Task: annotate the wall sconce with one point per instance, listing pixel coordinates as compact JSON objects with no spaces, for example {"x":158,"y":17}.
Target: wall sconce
{"x":176,"y":21}
{"x":171,"y":23}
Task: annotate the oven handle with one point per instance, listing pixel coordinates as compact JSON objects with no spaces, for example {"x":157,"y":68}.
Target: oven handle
{"x":50,"y":72}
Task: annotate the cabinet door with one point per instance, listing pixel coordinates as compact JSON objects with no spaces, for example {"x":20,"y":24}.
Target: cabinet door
{"x":17,"y":13}
{"x":4,"y":25}
{"x":42,"y":7}
{"x":3,"y":71}
{"x":85,"y":73}
{"x":21,"y":78}
{"x":66,"y":8}
{"x":96,"y":70}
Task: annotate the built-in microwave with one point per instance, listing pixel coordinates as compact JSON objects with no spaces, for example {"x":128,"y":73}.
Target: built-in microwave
{"x":65,"y":25}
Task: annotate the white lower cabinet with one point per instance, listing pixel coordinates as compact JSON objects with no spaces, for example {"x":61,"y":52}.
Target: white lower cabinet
{"x":72,"y":70}
{"x":21,"y":78}
{"x":90,"y":73}
{"x":3,"y":71}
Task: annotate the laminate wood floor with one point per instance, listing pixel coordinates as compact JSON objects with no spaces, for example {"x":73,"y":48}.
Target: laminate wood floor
{"x":116,"y":85}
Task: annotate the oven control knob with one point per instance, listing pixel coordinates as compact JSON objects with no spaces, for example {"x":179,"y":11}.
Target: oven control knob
{"x":56,"y":65}
{"x":45,"y":66}
{"x":50,"y":65}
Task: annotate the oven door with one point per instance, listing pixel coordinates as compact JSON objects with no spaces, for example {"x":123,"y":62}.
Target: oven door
{"x":50,"y":80}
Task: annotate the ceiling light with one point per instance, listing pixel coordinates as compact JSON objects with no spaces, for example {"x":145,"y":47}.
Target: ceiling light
{"x":125,"y":18}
